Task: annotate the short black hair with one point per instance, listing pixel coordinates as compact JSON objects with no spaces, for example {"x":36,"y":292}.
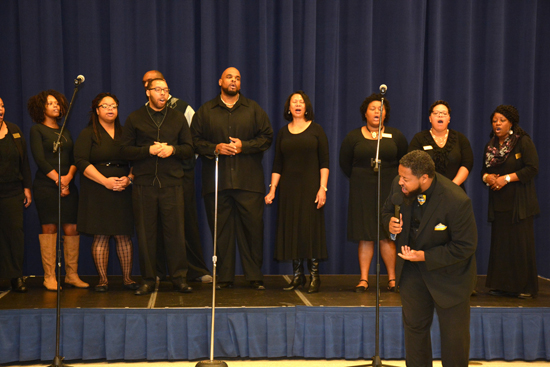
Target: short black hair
{"x":419,"y":162}
{"x":375,"y":97}
{"x":437,"y":103}
{"x":309,"y":108}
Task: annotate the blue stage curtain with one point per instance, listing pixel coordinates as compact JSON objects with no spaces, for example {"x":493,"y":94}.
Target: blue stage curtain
{"x":280,"y":332}
{"x":474,"y":54}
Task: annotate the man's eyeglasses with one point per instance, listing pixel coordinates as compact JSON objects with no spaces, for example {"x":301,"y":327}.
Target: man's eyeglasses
{"x":160,"y":90}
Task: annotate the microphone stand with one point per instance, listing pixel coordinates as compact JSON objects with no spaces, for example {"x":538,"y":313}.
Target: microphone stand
{"x":58,"y":360}
{"x":211,"y":362}
{"x":376,"y":163}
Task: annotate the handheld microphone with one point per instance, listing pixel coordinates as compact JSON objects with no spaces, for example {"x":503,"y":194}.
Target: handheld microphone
{"x":397,"y":201}
{"x":79,"y":80}
{"x":383,"y":88}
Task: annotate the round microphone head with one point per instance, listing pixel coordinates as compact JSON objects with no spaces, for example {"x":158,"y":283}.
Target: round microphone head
{"x":383,"y":88}
{"x":81,"y":78}
{"x":397,"y":199}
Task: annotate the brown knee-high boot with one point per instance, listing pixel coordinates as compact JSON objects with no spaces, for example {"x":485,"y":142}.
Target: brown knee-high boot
{"x":71,"y":245}
{"x":48,"y":250}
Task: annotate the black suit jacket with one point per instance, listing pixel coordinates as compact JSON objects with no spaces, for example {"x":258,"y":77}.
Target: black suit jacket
{"x":448,"y":237}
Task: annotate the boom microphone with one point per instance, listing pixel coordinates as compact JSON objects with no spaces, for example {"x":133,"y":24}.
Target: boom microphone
{"x":79,"y":80}
{"x":397,"y":201}
{"x":383,"y":88}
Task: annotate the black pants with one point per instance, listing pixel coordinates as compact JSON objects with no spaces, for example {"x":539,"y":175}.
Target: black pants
{"x":154,"y":207}
{"x":12,"y":239}
{"x":418,"y":311}
{"x":193,"y":246}
{"x":240,"y":219}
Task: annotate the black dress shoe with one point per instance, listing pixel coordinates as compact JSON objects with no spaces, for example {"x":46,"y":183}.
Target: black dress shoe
{"x":221,"y":285}
{"x":145,"y":289}
{"x":183,"y":287}
{"x":498,"y":293}
{"x":101,"y":288}
{"x":131,"y":286}
{"x":18,"y":285}
{"x":257,"y":285}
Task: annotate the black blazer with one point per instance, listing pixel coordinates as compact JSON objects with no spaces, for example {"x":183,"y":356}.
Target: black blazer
{"x":448,"y":237}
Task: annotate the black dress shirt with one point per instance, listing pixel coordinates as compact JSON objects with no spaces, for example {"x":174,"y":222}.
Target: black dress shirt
{"x":213,"y":124}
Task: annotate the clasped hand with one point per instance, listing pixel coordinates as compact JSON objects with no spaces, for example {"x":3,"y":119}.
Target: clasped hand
{"x":235,"y":147}
{"x":161,"y":150}
{"x":117,"y":183}
{"x":495,"y":182}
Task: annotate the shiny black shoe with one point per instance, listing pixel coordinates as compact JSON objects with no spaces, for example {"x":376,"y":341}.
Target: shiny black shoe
{"x":145,"y":289}
{"x":360,"y":288}
{"x":183,"y":287}
{"x":101,"y":288}
{"x":222,"y":285}
{"x":257,"y":285}
{"x":498,"y":293}
{"x":389,"y":287}
{"x":131,"y":286}
{"x":18,"y":285}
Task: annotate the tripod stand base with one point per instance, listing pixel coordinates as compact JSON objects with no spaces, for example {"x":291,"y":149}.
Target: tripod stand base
{"x":212,"y":363}
{"x":376,"y":362}
{"x":58,"y":362}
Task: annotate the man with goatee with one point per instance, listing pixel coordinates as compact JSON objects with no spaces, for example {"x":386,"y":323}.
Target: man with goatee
{"x":238,"y":130}
{"x":157,"y":139}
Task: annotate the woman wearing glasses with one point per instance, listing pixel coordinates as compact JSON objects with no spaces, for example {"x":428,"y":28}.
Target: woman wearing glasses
{"x":105,"y":208}
{"x":449,"y":149}
{"x":46,"y":109}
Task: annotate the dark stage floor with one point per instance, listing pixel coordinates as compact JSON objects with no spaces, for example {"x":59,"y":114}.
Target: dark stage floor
{"x":336,"y":291}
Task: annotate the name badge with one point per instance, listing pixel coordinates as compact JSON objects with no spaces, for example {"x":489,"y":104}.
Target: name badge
{"x":16,"y":135}
{"x":386,"y":135}
{"x":427,"y":147}
{"x":518,"y":155}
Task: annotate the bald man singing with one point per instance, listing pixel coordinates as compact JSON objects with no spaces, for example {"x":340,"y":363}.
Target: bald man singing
{"x":238,"y":129}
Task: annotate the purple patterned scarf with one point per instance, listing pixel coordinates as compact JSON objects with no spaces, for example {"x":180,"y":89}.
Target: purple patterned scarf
{"x":495,"y":155}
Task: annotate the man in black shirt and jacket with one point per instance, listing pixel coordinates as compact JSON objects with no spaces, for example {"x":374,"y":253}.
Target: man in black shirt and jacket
{"x":436,"y":266}
{"x":157,"y":139}
{"x":239,"y":130}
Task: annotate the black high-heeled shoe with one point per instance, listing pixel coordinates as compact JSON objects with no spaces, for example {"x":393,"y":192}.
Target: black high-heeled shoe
{"x":360,"y":288}
{"x":299,"y":277}
{"x":391,"y":289}
{"x":314,"y":278}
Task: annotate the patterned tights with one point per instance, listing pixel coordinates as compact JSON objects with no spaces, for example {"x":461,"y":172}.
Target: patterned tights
{"x":100,"y":253}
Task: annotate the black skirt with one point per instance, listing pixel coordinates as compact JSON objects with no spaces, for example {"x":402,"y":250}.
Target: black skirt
{"x":512,"y":260}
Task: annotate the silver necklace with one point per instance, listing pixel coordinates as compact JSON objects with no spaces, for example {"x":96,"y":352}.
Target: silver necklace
{"x":230,"y":104}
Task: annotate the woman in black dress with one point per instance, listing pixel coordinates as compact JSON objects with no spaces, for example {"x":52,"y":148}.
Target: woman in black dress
{"x":15,"y":194}
{"x":357,"y":152}
{"x":449,"y":149}
{"x":46,"y":108}
{"x":300,"y":170}
{"x":510,"y":164}
{"x":105,"y":207}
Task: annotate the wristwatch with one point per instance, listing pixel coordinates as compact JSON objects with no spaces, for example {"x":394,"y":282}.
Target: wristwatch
{"x":507,"y":178}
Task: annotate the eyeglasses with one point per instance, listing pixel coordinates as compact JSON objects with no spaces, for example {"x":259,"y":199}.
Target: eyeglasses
{"x":109,"y":106}
{"x":160,"y":90}
{"x":440,"y":113}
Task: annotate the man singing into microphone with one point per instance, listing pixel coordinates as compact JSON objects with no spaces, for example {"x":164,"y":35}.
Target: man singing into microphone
{"x":436,"y":267}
